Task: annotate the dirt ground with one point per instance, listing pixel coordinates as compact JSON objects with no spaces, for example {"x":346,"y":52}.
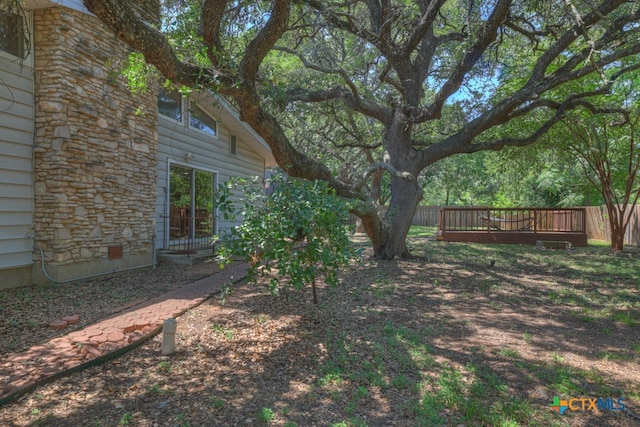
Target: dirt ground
{"x":451,"y":338}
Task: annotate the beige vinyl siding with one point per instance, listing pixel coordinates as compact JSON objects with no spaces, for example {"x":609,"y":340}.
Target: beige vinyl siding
{"x":208,"y":153}
{"x":16,"y":164}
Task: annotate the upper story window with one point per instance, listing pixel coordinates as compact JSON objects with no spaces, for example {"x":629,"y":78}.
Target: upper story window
{"x":13,"y":39}
{"x":200,"y":120}
{"x":170,"y":103}
{"x":185,"y":111}
{"x":233,"y":145}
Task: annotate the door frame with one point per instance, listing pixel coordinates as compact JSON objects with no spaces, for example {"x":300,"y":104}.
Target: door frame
{"x":167,"y":208}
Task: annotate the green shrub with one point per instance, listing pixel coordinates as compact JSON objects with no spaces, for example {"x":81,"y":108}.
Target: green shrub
{"x":300,"y":230}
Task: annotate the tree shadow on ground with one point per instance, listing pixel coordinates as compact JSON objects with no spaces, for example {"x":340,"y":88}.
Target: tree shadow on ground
{"x":439,"y":341}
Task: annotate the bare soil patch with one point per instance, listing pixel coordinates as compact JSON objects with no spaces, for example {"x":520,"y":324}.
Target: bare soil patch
{"x":449,"y":339}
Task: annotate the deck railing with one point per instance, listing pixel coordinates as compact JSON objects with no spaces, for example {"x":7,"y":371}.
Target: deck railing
{"x":513,"y":225}
{"x":531,"y":220}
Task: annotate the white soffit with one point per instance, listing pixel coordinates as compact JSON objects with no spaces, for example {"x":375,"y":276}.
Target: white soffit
{"x":71,"y":4}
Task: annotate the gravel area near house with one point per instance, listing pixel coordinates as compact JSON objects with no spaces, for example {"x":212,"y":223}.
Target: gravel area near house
{"x":26,"y":312}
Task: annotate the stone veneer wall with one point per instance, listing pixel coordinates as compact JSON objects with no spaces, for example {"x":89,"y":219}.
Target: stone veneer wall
{"x":95,"y":157}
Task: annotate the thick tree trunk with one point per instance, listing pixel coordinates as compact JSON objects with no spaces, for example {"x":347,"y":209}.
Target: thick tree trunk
{"x":402,"y":208}
{"x":388,"y":234}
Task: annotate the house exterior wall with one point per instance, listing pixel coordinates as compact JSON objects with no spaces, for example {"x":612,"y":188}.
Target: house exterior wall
{"x":208,"y":153}
{"x":95,"y":156}
{"x":84,"y":163}
{"x":16,"y":170}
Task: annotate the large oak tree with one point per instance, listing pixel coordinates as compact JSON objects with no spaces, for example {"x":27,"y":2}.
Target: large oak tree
{"x":511,"y":65}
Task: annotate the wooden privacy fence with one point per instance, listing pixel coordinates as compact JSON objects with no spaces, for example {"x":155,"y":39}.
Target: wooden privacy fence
{"x":425,"y":215}
{"x":598,"y":225}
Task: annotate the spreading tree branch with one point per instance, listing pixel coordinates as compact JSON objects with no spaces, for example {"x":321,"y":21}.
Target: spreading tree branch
{"x":486,"y":36}
{"x":378,"y":166}
{"x":264,"y":41}
{"x":212,"y":14}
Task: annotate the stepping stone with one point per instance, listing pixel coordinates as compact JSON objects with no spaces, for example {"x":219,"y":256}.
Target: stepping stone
{"x":58,"y":325}
{"x":72,"y":320}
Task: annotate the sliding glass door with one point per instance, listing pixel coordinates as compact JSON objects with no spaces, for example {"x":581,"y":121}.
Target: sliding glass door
{"x":191,"y":207}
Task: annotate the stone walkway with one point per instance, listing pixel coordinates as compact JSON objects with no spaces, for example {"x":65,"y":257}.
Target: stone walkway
{"x":105,"y":339}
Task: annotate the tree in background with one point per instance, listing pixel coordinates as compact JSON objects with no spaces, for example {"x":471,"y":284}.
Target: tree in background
{"x":607,"y":147}
{"x":458,"y":180}
{"x":508,"y":65}
{"x":536,"y":176}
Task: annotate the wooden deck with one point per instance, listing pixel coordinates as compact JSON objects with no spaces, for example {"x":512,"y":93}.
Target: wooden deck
{"x":515,"y":225}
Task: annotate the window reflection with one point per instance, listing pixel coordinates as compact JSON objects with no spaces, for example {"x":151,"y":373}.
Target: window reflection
{"x":12,"y":37}
{"x":170,"y":104}
{"x":200,"y":120}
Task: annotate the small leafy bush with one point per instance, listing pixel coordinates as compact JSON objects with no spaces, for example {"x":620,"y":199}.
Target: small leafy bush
{"x":300,"y":230}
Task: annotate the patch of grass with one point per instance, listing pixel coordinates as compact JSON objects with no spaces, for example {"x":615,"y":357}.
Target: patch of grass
{"x":48,"y":418}
{"x":159,"y":390}
{"x":383,"y":287}
{"x":509,"y":352}
{"x":511,"y":412}
{"x":370,"y":374}
{"x":475,"y":397}
{"x":265,"y":415}
{"x":361,"y":392}
{"x":422,"y":231}
{"x":334,"y":376}
{"x":217,"y":402}
{"x":180,"y":420}
{"x":428,"y":411}
{"x":599,"y":243}
{"x":227,"y":333}
{"x":164,"y":367}
{"x":527,"y":337}
{"x":32,"y":325}
{"x":625,"y":317}
{"x":125,"y":419}
{"x":451,"y":387}
{"x":560,"y":378}
{"x":261,"y":318}
{"x":495,"y":305}
{"x":383,"y":290}
{"x":400,"y":381}
{"x":610,"y":355}
{"x":594,"y":376}
{"x":350,"y":409}
{"x":356,"y":422}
